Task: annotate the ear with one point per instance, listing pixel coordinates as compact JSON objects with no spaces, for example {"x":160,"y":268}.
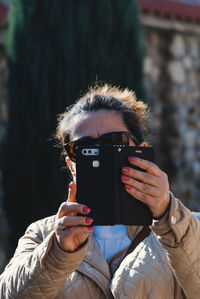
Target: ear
{"x":71,"y":166}
{"x":144,"y":144}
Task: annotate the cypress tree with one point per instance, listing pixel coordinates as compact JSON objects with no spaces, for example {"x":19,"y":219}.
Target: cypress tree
{"x":56,"y":49}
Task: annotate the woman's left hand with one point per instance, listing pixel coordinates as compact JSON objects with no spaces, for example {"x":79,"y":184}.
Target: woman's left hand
{"x":152,"y":187}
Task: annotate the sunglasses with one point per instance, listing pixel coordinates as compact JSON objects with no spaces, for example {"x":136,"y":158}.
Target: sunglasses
{"x":113,"y":138}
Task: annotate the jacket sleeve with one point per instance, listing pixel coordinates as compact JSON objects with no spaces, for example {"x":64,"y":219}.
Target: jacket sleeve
{"x":179,"y":234}
{"x":39,"y":267}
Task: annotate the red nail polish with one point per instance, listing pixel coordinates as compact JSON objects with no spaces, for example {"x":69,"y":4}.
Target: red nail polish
{"x":128,"y":187}
{"x":90,"y":228}
{"x":86,"y":210}
{"x":70,"y":185}
{"x":88,"y":220}
{"x":125,"y":178}
{"x":126,"y":169}
{"x":132,"y":159}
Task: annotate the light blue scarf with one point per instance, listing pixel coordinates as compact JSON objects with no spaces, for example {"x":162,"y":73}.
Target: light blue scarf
{"x":111,"y":239}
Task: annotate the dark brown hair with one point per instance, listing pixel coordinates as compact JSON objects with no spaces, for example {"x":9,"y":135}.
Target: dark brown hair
{"x":106,"y":97}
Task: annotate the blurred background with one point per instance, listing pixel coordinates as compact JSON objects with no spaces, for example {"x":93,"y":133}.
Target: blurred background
{"x":51,"y":51}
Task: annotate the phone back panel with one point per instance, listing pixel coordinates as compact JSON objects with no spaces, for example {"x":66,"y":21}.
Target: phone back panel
{"x":131,"y":210}
{"x":95,"y":185}
{"x":99,"y":185}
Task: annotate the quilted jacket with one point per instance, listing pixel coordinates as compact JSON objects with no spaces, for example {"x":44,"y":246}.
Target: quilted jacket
{"x":166,"y":264}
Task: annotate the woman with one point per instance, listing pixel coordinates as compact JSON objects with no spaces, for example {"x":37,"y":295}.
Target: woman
{"x":64,"y":256}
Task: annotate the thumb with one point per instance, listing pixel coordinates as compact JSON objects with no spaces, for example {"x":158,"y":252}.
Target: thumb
{"x":72,"y":192}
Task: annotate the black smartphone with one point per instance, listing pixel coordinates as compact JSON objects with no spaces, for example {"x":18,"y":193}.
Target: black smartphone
{"x":98,"y":179}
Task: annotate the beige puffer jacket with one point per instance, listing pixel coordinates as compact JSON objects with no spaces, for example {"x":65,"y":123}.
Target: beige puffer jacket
{"x":40,"y":269}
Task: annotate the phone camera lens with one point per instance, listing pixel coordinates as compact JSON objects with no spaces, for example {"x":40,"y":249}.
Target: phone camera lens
{"x":89,"y":151}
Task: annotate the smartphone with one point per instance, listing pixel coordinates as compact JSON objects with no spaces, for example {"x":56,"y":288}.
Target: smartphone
{"x":99,"y":186}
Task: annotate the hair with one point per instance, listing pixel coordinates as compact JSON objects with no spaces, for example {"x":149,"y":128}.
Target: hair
{"x":111,"y":98}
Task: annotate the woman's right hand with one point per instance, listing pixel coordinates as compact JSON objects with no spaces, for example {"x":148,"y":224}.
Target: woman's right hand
{"x":77,"y":227}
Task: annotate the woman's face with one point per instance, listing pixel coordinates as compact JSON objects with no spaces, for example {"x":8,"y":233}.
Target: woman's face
{"x":95,"y":124}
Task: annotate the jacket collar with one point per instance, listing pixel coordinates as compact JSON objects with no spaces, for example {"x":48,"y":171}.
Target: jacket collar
{"x":133,"y":230}
{"x":94,"y":256}
{"x":95,"y":267}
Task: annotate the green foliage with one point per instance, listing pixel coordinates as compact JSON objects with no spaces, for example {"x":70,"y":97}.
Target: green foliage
{"x":56,"y":49}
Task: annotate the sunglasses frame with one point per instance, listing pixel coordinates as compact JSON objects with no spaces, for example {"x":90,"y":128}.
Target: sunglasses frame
{"x":69,"y":146}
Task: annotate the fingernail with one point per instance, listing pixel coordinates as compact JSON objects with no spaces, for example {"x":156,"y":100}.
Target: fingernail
{"x":126,"y":169}
{"x":88,"y":220}
{"x":90,"y":228}
{"x":86,"y":209}
{"x":125,"y":178}
{"x":128,"y":187}
{"x":132,"y":159}
{"x":70,"y":185}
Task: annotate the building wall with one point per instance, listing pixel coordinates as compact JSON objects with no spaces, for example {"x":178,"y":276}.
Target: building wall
{"x":172,"y":69}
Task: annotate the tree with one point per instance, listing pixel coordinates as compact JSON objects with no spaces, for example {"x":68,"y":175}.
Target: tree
{"x":55,"y":50}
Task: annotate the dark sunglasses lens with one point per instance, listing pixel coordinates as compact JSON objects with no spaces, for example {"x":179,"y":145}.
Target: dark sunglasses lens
{"x":85,"y":141}
{"x":121,"y":139}
{"x":115,"y":138}
{"x":125,"y":139}
{"x":71,"y":147}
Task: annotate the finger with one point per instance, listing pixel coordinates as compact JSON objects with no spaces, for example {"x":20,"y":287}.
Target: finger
{"x":72,"y":207}
{"x":72,"y":192}
{"x":140,"y":175}
{"x":145,"y":198}
{"x":72,"y":195}
{"x":69,"y":221}
{"x":146,"y":165}
{"x":145,"y":188}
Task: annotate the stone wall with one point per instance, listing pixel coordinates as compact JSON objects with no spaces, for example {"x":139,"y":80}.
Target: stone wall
{"x":172,"y":69}
{"x":3,"y":122}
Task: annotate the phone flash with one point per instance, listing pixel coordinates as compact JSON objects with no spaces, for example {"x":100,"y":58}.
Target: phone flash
{"x":95,"y":163}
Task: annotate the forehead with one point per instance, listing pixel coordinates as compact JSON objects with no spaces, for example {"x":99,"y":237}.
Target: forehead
{"x":96,"y":123}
